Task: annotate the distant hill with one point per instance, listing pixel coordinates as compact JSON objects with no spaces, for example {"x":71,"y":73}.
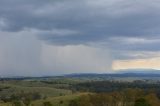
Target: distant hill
{"x":121,"y":73}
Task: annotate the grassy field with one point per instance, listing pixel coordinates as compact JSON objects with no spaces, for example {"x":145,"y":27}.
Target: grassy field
{"x":58,"y":101}
{"x":61,"y":91}
{"x":55,"y":90}
{"x":45,"y":91}
{"x":55,"y":101}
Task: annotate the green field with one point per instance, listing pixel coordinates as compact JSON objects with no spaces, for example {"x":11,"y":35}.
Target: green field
{"x":55,"y":101}
{"x":45,"y":91}
{"x":80,"y":91}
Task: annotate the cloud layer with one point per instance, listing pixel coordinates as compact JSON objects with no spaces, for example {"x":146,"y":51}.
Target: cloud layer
{"x":126,"y":29}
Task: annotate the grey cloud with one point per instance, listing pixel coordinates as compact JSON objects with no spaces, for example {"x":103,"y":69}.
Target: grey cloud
{"x":77,"y":58}
{"x":130,"y":47}
{"x":20,"y":54}
{"x":134,"y":44}
{"x":123,"y":55}
{"x":75,"y":22}
{"x":121,"y":18}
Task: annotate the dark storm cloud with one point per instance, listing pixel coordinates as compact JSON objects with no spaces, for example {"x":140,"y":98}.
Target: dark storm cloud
{"x":82,"y":35}
{"x":93,"y":21}
{"x":134,"y":44}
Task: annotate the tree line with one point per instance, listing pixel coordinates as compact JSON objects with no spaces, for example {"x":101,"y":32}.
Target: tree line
{"x":127,"y":97}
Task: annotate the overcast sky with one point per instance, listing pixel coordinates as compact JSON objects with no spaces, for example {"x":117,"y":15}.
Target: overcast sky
{"x":51,"y":37}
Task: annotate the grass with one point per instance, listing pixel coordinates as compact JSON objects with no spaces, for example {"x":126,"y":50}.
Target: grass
{"x":56,"y":100}
{"x":43,"y":90}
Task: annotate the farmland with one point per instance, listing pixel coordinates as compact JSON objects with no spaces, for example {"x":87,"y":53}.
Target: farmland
{"x":81,"y":90}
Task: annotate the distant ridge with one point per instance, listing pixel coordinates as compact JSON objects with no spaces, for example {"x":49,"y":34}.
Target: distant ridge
{"x":121,"y":73}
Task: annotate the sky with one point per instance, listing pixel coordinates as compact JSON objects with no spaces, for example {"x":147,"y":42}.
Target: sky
{"x":52,"y":37}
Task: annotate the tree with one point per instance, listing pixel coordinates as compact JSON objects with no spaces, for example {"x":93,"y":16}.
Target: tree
{"x":27,"y":101}
{"x":16,"y":103}
{"x":153,"y":99}
{"x":60,"y":102}
{"x":47,"y":104}
{"x":73,"y":103}
{"x":141,"y":102}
